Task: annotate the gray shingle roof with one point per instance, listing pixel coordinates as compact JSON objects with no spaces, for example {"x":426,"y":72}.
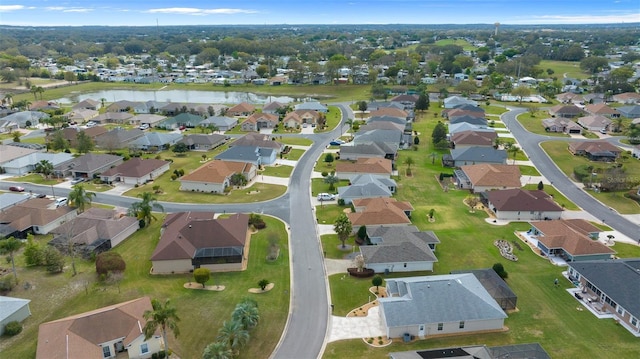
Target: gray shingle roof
{"x":479,"y":154}
{"x":438,"y":299}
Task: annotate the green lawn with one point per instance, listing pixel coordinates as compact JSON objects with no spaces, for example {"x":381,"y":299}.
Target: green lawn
{"x":570,"y":68}
{"x":567,"y":162}
{"x":322,"y":166}
{"x":558,"y":197}
{"x":493,"y":110}
{"x":460,"y":42}
{"x":300,"y":141}
{"x":529,"y":171}
{"x":278,"y":171}
{"x":533,"y":124}
{"x":293,"y":155}
{"x":34,"y":178}
{"x":328,"y":212}
{"x":332,"y":246}
{"x":333,"y":116}
{"x":318,"y":186}
{"x":57,"y":296}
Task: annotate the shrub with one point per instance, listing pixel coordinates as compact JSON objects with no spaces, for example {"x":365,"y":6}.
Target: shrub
{"x":416,"y":140}
{"x":54,"y":260}
{"x":7,"y":283}
{"x":174,"y":177}
{"x":341,"y":202}
{"x":499,"y":269}
{"x":325,"y":173}
{"x":109,"y":262}
{"x":256,"y":221}
{"x":328,"y":158}
{"x":202,"y":275}
{"x":263,"y":283}
{"x":12,"y":328}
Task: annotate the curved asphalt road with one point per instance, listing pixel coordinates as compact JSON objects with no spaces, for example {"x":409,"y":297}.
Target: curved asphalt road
{"x":306,"y":328}
{"x":530,"y":143}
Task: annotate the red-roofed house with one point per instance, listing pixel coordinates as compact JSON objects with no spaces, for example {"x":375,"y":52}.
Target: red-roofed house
{"x":135,"y":171}
{"x":572,"y":240}
{"x":378,"y":167}
{"x":241,"y":109}
{"x":215,"y":176}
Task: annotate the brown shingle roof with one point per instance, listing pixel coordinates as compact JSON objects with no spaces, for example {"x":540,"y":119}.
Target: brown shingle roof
{"x":389,"y":111}
{"x":365,"y":165}
{"x":261,"y":117}
{"x":79,"y":336}
{"x":493,"y":175}
{"x":185,"y":232}
{"x":378,"y":211}
{"x":522,"y":200}
{"x":216,"y":171}
{"x":593,"y":147}
{"x":135,"y":167}
{"x":34,"y":212}
{"x":559,"y":234}
{"x":243,"y":107}
{"x":478,"y":138}
{"x":600,"y":109}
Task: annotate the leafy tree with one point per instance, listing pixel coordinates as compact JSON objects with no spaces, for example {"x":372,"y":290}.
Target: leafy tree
{"x":466,"y":88}
{"x":263,"y":283}
{"x":234,"y":335}
{"x":472,"y":201}
{"x":362,"y":233}
{"x":217,"y":350}
{"x":109,"y":262}
{"x":33,"y":253}
{"x":328,"y":158}
{"x":238,"y":179}
{"x":84,"y":142}
{"x":362,"y":106}
{"x":409,"y":161}
{"x":58,"y":142}
{"x":520,"y":92}
{"x":423,"y":102}
{"x":10,"y":246}
{"x":377,"y":281}
{"x":499,"y":269}
{"x":439,"y":133}
{"x":343,"y":228}
{"x":180,"y":148}
{"x":16,"y":136}
{"x":143,"y":210}
{"x":331,"y":180}
{"x":513,"y":149}
{"x":45,"y":168}
{"x":53,"y":259}
{"x":163,"y":317}
{"x":540,"y":186}
{"x":246,"y":312}
{"x":202,"y":275}
{"x":416,"y":140}
{"x":594,"y":64}
{"x":80,"y":198}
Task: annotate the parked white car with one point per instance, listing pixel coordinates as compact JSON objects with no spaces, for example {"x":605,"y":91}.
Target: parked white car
{"x":326,"y":197}
{"x":62,"y":201}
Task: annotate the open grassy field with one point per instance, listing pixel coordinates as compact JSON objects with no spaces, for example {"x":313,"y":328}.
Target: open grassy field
{"x":460,"y":42}
{"x":546,"y":315}
{"x":201,"y":312}
{"x":562,"y":68}
{"x":567,"y":162}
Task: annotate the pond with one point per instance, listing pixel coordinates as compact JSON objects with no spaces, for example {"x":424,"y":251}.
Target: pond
{"x":188,"y":96}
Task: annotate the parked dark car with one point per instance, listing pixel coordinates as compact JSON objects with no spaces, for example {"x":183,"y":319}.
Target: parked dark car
{"x":16,"y":189}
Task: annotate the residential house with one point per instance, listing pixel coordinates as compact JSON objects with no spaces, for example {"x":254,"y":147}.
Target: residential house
{"x":117,"y":138}
{"x":88,"y":104}
{"x":436,"y":305}
{"x":257,"y":140}
{"x":122,"y":106}
{"x":390,"y":112}
{"x":521,"y":205}
{"x":378,"y":167}
{"x":529,"y":350}
{"x":44,"y":105}
{"x":11,"y":199}
{"x":463,"y":126}
{"x":255,"y":155}
{"x":204,"y":142}
{"x":408,"y":101}
{"x":352,"y":152}
{"x":37,"y":215}
{"x":595,"y":123}
{"x":292,"y":120}
{"x":273,"y":107}
{"x":380,"y":211}
{"x":242,"y":109}
{"x":135,"y":171}
{"x":102,"y":333}
{"x":94,"y":231}
{"x":595,"y":150}
{"x":24,"y":119}
{"x":258,"y":121}
{"x":88,"y":165}
{"x":216,"y":176}
{"x":25,"y":164}
{"x":463,"y":110}
{"x":495,"y":286}
{"x":149,"y":119}
{"x":181,"y":121}
{"x":156,"y":141}
{"x":392,"y":137}
{"x":474,"y":120}
{"x":601,"y":109}
{"x":13,"y":310}
{"x":374,"y":106}
{"x":222,"y":123}
{"x":572,"y":240}
{"x":570,"y":98}
{"x":191,"y":240}
{"x":561,"y":125}
{"x":466,"y":139}
{"x":593,"y":98}
{"x":367,"y":186}
{"x":312,"y":106}
{"x":627,"y":98}
{"x":10,"y":153}
{"x":81,"y":115}
{"x":611,"y":286}
{"x":487,"y":177}
{"x":301,"y":117}
{"x":453,"y":101}
{"x":474,"y":156}
{"x":71,"y":134}
{"x":565,"y":111}
{"x":399,"y":249}
{"x":632,"y":111}
{"x":113,"y":117}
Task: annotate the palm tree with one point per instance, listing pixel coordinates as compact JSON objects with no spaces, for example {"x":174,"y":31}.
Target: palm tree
{"x":217,"y":350}
{"x":34,"y":91}
{"x":8,"y":99}
{"x":45,"y":168}
{"x":349,"y":122}
{"x":234,"y":335}
{"x":102,"y":101}
{"x":343,"y":228}
{"x":331,"y":180}
{"x":143,"y":210}
{"x":40,"y":90}
{"x":163,"y":317}
{"x":513,"y":149}
{"x":246,"y":314}
{"x":11,"y":245}
{"x":80,"y":198}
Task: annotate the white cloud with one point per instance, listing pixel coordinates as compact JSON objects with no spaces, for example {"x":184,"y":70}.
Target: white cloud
{"x":77,"y":10}
{"x":8,"y":8}
{"x":199,"y":12}
{"x":579,"y":19}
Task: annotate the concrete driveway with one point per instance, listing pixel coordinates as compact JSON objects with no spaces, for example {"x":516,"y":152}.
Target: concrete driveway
{"x":356,"y":327}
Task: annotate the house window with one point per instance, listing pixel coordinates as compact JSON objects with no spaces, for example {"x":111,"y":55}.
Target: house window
{"x":620,"y":310}
{"x":405,"y":265}
{"x":106,"y":352}
{"x":144,"y":348}
{"x":461,"y":326}
{"x":440,"y":326}
{"x":634,"y":321}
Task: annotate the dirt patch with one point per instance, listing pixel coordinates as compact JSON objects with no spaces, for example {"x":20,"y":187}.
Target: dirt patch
{"x":198,"y":286}
{"x":258,"y":290}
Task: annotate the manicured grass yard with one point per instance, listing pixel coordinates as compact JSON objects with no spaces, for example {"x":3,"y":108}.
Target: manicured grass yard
{"x":34,"y":178}
{"x":201,"y":312}
{"x":293,"y":155}
{"x":529,"y":171}
{"x":300,"y":141}
{"x":329,"y":212}
{"x":534,"y":124}
{"x":567,"y":162}
{"x":278,"y":171}
{"x":318,"y":186}
{"x":332,"y":246}
{"x":333,"y":117}
{"x":546,"y":315}
{"x":558,"y":197}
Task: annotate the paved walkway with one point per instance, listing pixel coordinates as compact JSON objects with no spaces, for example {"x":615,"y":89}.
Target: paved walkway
{"x":356,"y":327}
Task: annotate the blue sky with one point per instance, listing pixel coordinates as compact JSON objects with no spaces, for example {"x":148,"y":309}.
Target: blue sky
{"x":223,"y":12}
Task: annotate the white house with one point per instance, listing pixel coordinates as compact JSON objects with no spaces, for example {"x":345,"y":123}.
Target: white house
{"x":13,"y":310}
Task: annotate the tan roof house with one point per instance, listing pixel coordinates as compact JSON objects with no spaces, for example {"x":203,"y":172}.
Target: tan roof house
{"x":10,"y":153}
{"x":258,"y":121}
{"x":101,"y":333}
{"x":561,"y":125}
{"x":298,"y":118}
{"x":602,"y":110}
{"x":486,"y":177}
{"x":257,"y":140}
{"x":565,"y":111}
{"x":241,"y":109}
{"x":190,"y":240}
{"x":389,"y":111}
{"x":522,"y":205}
{"x":569,"y":97}
{"x":595,"y":150}
{"x":135,"y":171}
{"x":627,"y":98}
{"x":571,"y":240}
{"x":595,"y":122}
{"x":380,"y":211}
{"x":38,"y":215}
{"x":215,"y":176}
{"x":379,"y":167}
{"x":81,"y":115}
